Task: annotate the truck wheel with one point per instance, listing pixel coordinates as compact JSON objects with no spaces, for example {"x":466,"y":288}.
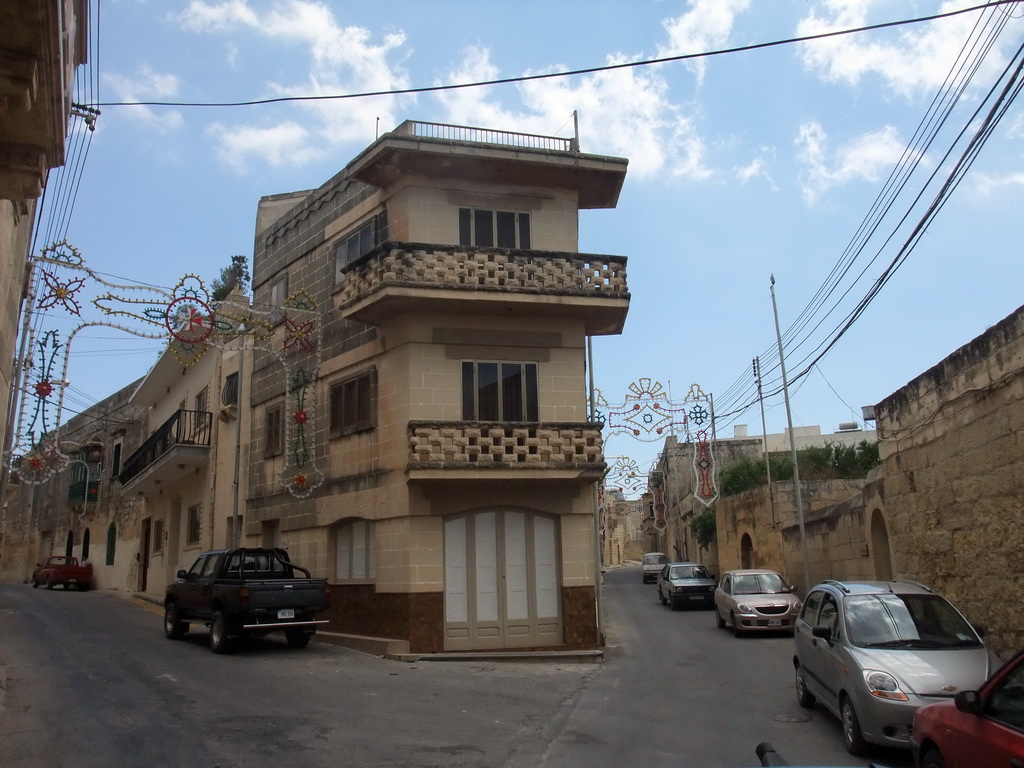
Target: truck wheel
{"x":49,"y":583}
{"x":219,"y":640}
{"x":174,"y":627}
{"x":297,"y":638}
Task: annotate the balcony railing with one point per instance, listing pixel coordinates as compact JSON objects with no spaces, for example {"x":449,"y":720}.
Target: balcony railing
{"x":489,"y":445}
{"x":471,"y":269}
{"x":183,"y":428}
{"x":485,"y":136}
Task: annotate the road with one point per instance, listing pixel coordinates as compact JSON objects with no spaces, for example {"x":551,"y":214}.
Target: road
{"x":88,"y":680}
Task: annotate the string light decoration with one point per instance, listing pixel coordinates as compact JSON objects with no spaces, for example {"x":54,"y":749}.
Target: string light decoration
{"x":190,"y":322}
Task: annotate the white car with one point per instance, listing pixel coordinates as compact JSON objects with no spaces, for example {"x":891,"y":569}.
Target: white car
{"x":652,"y":565}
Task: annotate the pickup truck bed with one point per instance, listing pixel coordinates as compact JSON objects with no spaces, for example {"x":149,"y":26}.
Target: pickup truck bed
{"x":244,"y":592}
{"x":64,"y":570}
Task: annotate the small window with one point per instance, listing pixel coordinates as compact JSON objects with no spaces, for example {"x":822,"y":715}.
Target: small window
{"x":278,"y":297}
{"x":195,"y":524}
{"x":354,"y":546}
{"x":229,"y":392}
{"x":158,"y":536}
{"x":499,"y":391}
{"x":274,"y":431}
{"x":202,"y":401}
{"x":115,"y":460}
{"x":354,"y":404}
{"x":350,"y":248}
{"x":483,"y":228}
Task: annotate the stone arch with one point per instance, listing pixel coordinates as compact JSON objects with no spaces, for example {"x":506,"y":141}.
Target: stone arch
{"x":747,"y":552}
{"x":85,"y":545}
{"x":69,"y":548}
{"x":881,"y":556}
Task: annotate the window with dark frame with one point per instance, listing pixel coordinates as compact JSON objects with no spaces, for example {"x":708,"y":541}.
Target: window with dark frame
{"x":504,"y":229}
{"x":358,"y":243}
{"x":115,"y":460}
{"x":354,"y":404}
{"x":202,"y":400}
{"x":274,"y":431}
{"x":499,"y":391}
{"x":195,"y":524}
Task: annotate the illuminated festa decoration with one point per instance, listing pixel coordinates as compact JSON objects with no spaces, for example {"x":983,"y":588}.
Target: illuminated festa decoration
{"x":649,"y":413}
{"x":190,"y":322}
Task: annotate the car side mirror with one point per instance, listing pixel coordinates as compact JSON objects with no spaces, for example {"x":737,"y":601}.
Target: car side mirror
{"x":823,"y":631}
{"x":182,"y":574}
{"x":969,"y":702}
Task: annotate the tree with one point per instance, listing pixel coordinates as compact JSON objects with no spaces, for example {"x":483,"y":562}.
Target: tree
{"x":235,"y":274}
{"x":704,"y":526}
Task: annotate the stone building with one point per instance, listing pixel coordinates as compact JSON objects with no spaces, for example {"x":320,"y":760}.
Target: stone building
{"x":459,"y":465}
{"x":41,"y":46}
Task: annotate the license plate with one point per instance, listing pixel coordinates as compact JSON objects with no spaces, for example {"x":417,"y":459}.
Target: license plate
{"x":286,"y":613}
{"x":774,"y":622}
{"x":696,"y":597}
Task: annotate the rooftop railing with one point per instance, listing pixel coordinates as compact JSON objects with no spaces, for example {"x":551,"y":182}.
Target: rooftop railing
{"x":485,"y":136}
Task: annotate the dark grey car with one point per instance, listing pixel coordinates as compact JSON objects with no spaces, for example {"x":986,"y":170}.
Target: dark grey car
{"x":687,"y":584}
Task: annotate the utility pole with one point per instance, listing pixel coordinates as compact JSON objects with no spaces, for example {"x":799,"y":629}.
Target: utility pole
{"x":792,"y":444}
{"x":764,"y":436}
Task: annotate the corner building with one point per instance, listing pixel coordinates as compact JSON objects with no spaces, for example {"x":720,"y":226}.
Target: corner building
{"x":457,"y":506}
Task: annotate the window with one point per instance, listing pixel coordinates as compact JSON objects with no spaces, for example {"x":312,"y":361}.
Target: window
{"x":274,"y":431}
{"x":278,"y":297}
{"x":354,"y":550}
{"x":195,"y":524}
{"x":353,"y":403}
{"x":499,"y":391}
{"x":229,"y":392}
{"x":358,"y":243}
{"x":115,"y":460}
{"x":202,"y":401}
{"x":505,"y":229}
{"x":158,"y":536}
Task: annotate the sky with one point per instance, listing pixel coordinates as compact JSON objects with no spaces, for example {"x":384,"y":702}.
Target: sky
{"x":829,"y":164}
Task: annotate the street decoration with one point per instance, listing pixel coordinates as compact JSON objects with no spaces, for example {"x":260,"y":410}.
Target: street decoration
{"x":189,"y":321}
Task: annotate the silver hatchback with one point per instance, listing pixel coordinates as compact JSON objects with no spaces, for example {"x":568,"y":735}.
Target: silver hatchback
{"x":873,"y":652}
{"x":755,"y":600}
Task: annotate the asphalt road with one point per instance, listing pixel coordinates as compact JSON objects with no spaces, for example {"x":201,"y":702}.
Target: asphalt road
{"x":88,"y":680}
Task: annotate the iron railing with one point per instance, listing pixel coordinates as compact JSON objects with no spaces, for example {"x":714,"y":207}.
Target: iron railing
{"x":485,"y":136}
{"x":183,"y":428}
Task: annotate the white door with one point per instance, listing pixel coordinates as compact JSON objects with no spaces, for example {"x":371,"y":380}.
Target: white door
{"x":501,"y":581}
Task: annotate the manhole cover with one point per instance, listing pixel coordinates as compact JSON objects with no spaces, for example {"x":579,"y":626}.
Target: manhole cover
{"x":791,"y":718}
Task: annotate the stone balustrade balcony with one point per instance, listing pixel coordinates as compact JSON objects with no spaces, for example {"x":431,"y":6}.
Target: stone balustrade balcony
{"x":395,"y":278}
{"x":556,"y":450}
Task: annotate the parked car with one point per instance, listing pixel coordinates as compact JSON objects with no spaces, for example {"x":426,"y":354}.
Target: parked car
{"x":983,"y":727}
{"x":652,"y":565}
{"x":64,"y":570}
{"x":245,"y":592}
{"x":873,"y":652}
{"x":682,"y":584}
{"x":755,"y":600}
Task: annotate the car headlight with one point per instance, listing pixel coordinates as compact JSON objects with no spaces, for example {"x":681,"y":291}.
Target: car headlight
{"x":743,"y":608}
{"x":883,"y":685}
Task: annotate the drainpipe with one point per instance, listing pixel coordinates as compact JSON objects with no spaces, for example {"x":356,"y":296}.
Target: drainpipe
{"x":597,"y":522}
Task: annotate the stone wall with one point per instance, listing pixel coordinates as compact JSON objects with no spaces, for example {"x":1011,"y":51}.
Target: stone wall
{"x":952,"y":446}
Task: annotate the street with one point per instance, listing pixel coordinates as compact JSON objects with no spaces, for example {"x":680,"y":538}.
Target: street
{"x":88,"y":680}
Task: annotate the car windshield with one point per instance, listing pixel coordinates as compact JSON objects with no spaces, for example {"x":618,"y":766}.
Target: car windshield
{"x":655,"y":559}
{"x":688,"y":572}
{"x":759,"y":584}
{"x":907,"y":622}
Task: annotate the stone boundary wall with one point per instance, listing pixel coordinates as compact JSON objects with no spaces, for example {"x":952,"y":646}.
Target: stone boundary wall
{"x":952,"y":446}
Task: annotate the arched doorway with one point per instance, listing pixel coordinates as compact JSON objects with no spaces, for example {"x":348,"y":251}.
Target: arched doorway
{"x":501,"y":580}
{"x":747,"y":551}
{"x":69,"y":548}
{"x":85,"y":545}
{"x":880,"y":554}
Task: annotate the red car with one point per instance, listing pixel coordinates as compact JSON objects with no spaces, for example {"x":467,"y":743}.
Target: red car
{"x":977,"y":729}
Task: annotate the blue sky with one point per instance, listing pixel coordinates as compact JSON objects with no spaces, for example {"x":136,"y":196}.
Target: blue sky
{"x":741,"y":165}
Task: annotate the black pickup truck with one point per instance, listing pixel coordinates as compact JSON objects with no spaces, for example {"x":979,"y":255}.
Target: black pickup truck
{"x":245,"y":592}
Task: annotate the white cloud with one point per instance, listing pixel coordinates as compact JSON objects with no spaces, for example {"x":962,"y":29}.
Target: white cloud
{"x":623,"y":112}
{"x":910,"y":60}
{"x":863,"y":158}
{"x":147,"y":85}
{"x":987,"y":183}
{"x":278,"y":146}
{"x":705,"y":27}
{"x":343,"y":59}
{"x":758,"y":168}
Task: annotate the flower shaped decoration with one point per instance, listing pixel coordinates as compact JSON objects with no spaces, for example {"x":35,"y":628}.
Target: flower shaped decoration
{"x":61,"y":293}
{"x":299,"y":335}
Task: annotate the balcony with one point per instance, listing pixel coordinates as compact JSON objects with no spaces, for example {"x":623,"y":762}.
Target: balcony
{"x":180,"y":445}
{"x":397,"y":278}
{"x":488,"y":450}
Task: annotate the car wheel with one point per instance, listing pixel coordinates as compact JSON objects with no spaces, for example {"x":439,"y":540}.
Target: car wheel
{"x":49,"y":584}
{"x":661,"y":597}
{"x":718,"y":619}
{"x":803,"y":696}
{"x":174,"y":627}
{"x":297,"y":638}
{"x":736,"y":631}
{"x":932,"y":759}
{"x":35,"y":583}
{"x":219,"y":640}
{"x":852,"y":737}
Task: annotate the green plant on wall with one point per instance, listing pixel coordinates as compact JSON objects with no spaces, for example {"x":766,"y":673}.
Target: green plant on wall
{"x":828,"y":462}
{"x":703,"y":527}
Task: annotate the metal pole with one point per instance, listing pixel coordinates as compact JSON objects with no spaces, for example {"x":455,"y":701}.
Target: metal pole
{"x":597,"y":522}
{"x":792,"y":445}
{"x":764,"y":435}
{"x":235,"y":516}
